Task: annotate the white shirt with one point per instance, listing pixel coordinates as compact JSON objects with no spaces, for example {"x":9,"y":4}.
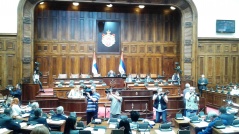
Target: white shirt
{"x":74,"y":93}
{"x":16,"y":110}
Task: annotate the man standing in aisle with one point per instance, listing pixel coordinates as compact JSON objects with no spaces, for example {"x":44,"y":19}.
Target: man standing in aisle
{"x":92,"y":104}
{"x":192,"y":100}
{"x":116,"y":102}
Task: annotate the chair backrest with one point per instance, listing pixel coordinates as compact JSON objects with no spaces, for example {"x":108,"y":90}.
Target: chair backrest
{"x":195,"y":119}
{"x":143,"y":125}
{"x":117,"y":131}
{"x":133,"y":75}
{"x":184,"y":132}
{"x":165,"y":127}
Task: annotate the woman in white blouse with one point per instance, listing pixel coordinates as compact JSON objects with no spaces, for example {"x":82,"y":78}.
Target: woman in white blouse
{"x":16,"y":110}
{"x":75,"y":93}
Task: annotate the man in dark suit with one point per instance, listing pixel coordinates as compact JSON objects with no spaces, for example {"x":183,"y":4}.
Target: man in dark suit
{"x":202,"y":84}
{"x":225,"y":116}
{"x":59,"y":114}
{"x":37,"y":118}
{"x":6,"y":121}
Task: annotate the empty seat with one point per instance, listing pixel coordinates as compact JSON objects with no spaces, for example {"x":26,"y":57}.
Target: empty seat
{"x":62,"y":76}
{"x":75,"y":76}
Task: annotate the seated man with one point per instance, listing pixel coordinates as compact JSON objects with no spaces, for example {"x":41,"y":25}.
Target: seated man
{"x":213,"y":117}
{"x":17,"y":92}
{"x":134,"y":115}
{"x":37,"y":117}
{"x":75,"y":93}
{"x":6,"y":121}
{"x":176,"y":79}
{"x":59,"y":114}
{"x":34,"y":106}
{"x":225,"y":116}
{"x":111,"y":73}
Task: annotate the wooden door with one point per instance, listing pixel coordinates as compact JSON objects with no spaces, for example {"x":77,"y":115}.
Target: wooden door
{"x":168,"y":67}
{"x":44,"y":69}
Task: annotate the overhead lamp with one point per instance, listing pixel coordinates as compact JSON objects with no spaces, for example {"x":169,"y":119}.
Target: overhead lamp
{"x":141,"y":6}
{"x":42,"y":2}
{"x":75,"y":3}
{"x":172,"y":8}
{"x":109,"y":5}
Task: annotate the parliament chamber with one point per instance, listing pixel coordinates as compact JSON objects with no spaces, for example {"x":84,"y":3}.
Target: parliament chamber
{"x":66,"y":41}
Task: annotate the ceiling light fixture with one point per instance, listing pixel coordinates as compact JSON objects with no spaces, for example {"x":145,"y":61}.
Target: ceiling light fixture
{"x":172,"y":8}
{"x":41,"y":3}
{"x":75,"y":3}
{"x":109,"y":5}
{"x":141,"y":6}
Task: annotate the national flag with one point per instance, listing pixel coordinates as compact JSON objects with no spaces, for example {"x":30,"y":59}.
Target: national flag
{"x":94,"y":65}
{"x":122,"y":69}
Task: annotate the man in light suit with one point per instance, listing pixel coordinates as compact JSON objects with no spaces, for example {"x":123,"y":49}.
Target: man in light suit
{"x":111,"y":73}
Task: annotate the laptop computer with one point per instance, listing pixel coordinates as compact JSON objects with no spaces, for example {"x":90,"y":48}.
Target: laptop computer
{"x":219,"y":124}
{"x":179,"y":116}
{"x":165,"y":127}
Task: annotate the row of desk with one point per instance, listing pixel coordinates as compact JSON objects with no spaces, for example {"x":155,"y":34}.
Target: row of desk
{"x":202,"y":125}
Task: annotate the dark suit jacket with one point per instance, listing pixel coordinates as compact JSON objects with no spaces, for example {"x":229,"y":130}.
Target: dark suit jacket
{"x":59,"y":116}
{"x":39,"y":120}
{"x":228,"y":118}
{"x":9,"y":123}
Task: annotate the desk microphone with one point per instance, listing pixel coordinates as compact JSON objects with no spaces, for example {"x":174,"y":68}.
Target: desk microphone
{"x":179,"y":111}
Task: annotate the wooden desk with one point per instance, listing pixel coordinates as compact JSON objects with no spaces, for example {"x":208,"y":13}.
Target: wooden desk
{"x":5,"y":131}
{"x":199,"y":126}
{"x":60,"y":123}
{"x":29,"y":92}
{"x":73,"y":105}
{"x":152,"y":130}
{"x":227,"y":130}
{"x":180,"y":123}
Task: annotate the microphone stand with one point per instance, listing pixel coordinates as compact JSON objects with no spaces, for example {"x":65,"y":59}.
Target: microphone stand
{"x":146,"y":110}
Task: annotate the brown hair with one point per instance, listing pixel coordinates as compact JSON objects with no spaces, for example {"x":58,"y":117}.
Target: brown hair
{"x":15,"y":101}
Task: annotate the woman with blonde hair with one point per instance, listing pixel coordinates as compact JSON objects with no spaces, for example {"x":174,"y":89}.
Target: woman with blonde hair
{"x":16,"y":110}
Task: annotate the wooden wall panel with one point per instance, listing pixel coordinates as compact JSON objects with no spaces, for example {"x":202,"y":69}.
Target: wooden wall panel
{"x":221,"y":58}
{"x":1,"y":70}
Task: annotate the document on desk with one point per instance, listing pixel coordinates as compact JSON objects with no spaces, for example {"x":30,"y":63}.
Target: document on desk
{"x":33,"y":126}
{"x":3,"y":130}
{"x":25,"y":115}
{"x":112,"y":125}
{"x":166,"y":132}
{"x":201,"y":124}
{"x":50,"y":121}
{"x":23,"y":124}
{"x":227,"y":130}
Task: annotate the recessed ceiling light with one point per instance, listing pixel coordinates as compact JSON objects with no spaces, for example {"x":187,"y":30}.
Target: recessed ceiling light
{"x":109,"y":5}
{"x":75,"y":3}
{"x":41,"y":3}
{"x":172,"y":8}
{"x":141,"y":6}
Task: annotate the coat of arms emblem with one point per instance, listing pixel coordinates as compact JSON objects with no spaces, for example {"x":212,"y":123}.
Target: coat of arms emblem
{"x":108,"y":39}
